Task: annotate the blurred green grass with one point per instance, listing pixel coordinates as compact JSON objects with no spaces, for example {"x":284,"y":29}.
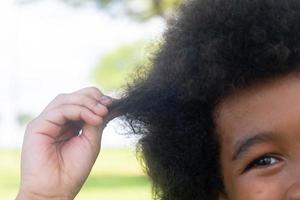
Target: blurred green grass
{"x":116,"y":175}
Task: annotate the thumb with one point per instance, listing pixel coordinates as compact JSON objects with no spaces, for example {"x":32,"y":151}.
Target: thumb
{"x":92,"y":135}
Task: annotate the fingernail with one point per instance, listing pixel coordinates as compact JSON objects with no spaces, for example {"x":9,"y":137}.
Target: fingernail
{"x":105,"y":100}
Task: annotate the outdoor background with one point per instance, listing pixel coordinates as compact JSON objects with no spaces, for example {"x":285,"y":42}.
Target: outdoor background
{"x":49,"y":47}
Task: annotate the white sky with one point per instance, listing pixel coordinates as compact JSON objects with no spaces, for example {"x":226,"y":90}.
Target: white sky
{"x":48,"y":48}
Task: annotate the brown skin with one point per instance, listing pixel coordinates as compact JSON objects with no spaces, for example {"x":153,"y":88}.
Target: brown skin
{"x":270,"y":111}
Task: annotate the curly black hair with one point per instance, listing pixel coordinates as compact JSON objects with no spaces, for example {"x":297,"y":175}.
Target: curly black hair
{"x":210,"y":49}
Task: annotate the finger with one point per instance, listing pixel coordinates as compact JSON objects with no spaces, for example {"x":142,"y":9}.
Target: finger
{"x":95,"y":93}
{"x":70,"y":130}
{"x":89,"y":143}
{"x":52,"y":121}
{"x":92,"y":92}
{"x":79,"y":99}
{"x":92,"y":136}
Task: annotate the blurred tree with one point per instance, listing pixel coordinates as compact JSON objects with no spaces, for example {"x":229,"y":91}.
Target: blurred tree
{"x":115,"y":68}
{"x":23,"y":118}
{"x":139,"y":10}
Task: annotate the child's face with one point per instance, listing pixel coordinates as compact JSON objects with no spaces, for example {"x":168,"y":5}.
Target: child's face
{"x":260,"y":141}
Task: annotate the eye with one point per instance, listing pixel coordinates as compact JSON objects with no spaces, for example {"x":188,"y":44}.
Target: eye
{"x":263,"y":161}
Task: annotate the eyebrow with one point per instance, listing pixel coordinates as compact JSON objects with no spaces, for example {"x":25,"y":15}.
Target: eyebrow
{"x":243,"y":145}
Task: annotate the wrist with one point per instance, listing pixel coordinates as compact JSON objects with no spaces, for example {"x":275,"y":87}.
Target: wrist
{"x":26,"y":195}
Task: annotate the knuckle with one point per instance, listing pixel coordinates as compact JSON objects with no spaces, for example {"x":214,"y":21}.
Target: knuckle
{"x":100,"y":108}
{"x":90,"y":118}
{"x":94,"y":104}
{"x":94,"y":90}
{"x":61,"y":96}
{"x":88,"y":101}
{"x":105,"y":110}
{"x":78,"y":98}
{"x":30,"y":124}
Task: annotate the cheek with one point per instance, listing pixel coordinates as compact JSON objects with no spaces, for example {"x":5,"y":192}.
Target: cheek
{"x":254,"y":188}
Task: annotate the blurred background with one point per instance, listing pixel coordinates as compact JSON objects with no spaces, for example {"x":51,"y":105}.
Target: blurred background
{"x":49,"y":47}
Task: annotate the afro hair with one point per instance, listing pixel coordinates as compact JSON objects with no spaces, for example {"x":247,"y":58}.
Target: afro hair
{"x":210,"y":49}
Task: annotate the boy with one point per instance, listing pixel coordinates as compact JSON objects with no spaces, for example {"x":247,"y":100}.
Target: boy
{"x":218,"y":111}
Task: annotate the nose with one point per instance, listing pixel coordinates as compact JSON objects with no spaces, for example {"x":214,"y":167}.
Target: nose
{"x":293,"y":192}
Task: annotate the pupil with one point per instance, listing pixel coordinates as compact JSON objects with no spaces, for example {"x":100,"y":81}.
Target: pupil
{"x":265,"y":161}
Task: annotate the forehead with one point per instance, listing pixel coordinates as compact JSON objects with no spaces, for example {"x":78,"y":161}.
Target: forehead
{"x":268,"y":106}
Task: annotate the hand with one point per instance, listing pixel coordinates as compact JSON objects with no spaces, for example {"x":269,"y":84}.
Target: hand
{"x":56,"y":160}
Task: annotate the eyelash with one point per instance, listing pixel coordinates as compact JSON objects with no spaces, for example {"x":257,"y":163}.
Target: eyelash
{"x":255,"y":163}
